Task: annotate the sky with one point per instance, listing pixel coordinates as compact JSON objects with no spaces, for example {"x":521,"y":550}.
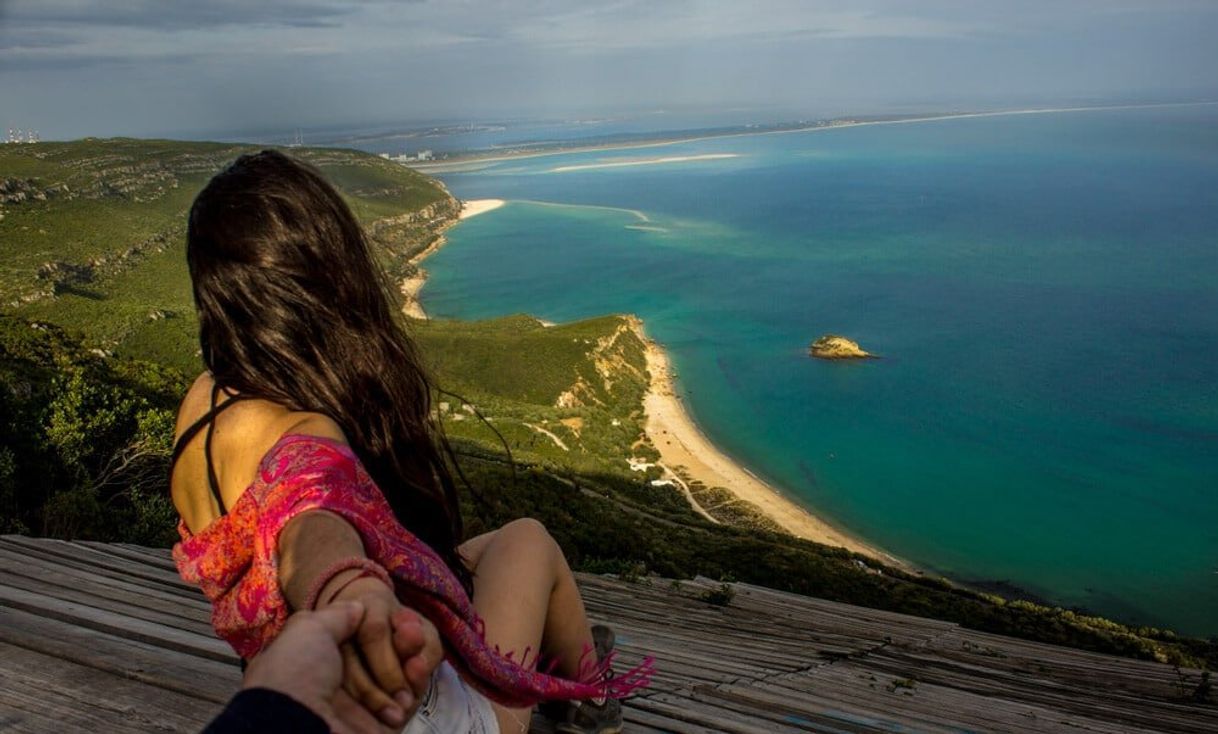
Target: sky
{"x":190,"y":68}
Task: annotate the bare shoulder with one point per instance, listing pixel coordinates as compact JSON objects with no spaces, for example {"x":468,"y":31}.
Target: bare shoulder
{"x":195,"y":403}
{"x":241,"y":436}
{"x":316,"y":424}
{"x":269,"y":418}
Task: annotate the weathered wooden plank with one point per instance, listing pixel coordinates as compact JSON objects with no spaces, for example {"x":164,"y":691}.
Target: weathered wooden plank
{"x":1078,"y":698}
{"x":82,"y":554}
{"x":117,"y":624}
{"x":875,"y":623}
{"x":40,"y":694}
{"x":847,"y":707}
{"x":855,"y":690}
{"x":139,"y":661}
{"x":730,"y":631}
{"x":1136,"y":677}
{"x":131,"y":572}
{"x":639,"y":720}
{"x":52,"y":569}
{"x":163,"y":561}
{"x":84,"y":591}
{"x":714,"y":718}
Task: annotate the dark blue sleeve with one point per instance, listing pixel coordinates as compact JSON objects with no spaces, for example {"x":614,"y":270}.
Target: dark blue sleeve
{"x":263,"y":711}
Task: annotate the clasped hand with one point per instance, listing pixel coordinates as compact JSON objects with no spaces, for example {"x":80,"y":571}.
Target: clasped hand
{"x":387,"y":679}
{"x":362,"y":662}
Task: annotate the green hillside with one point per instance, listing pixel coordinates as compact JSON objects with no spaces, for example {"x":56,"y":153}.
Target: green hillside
{"x":93,"y":232}
{"x":97,"y":345}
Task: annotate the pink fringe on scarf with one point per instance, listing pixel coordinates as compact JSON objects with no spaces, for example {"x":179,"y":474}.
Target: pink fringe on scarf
{"x":235,"y":562}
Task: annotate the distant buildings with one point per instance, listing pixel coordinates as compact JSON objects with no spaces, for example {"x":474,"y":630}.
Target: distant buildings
{"x":422,"y":155}
{"x":17,"y":135}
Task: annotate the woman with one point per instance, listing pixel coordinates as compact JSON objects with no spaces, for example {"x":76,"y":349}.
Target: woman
{"x":317,"y":438}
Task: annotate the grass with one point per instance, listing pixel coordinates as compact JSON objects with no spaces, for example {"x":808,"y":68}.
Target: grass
{"x":516,"y":372}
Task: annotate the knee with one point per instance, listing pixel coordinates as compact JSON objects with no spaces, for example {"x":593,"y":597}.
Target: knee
{"x":528,"y":533}
{"x":528,"y":529}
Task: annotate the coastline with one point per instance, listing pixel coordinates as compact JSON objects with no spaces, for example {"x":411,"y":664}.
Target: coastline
{"x":476,"y":161}
{"x":412,"y":285}
{"x":685,"y":451}
{"x":684,"y":447}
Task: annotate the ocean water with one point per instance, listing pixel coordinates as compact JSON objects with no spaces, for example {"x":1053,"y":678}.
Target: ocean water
{"x":1043,"y":290}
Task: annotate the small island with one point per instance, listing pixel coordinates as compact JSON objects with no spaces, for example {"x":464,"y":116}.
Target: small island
{"x":831,"y":346}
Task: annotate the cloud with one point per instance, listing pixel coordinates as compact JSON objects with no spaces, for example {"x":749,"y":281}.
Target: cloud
{"x":270,"y":61}
{"x":36,"y":39}
{"x":55,"y":31}
{"x":644,"y":24}
{"x":176,"y":15}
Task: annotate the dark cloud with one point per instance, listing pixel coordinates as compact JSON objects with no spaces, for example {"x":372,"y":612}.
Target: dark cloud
{"x":145,"y":67}
{"x":95,"y":63}
{"x":172,"y":15}
{"x":15,"y":40}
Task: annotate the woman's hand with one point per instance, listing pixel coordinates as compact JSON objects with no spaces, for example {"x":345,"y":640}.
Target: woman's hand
{"x":384,"y":671}
{"x":304,"y":663}
{"x":387,"y":664}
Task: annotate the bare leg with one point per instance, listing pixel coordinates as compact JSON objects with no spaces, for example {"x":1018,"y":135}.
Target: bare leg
{"x":526,"y":594}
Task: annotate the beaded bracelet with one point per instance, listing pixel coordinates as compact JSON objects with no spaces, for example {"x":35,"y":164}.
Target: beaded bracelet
{"x":370,"y":568}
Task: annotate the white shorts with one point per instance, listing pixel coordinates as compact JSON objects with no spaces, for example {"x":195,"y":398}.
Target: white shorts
{"x":452,"y":707}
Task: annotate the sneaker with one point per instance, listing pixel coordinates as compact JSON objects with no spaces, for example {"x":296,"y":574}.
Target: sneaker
{"x":602,"y":642}
{"x":600,"y":716}
{"x":586,"y":717}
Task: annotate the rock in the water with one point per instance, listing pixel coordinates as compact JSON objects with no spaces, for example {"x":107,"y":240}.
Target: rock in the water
{"x":831,"y":346}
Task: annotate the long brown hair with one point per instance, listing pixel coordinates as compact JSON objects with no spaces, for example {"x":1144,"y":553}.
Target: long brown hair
{"x":294,"y":309}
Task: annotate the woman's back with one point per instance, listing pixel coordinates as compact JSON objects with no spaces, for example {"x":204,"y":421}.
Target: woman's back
{"x":242,"y":431}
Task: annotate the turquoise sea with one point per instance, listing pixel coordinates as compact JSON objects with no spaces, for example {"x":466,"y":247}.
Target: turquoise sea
{"x":1043,"y":289}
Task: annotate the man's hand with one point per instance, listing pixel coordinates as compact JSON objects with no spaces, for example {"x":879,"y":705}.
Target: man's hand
{"x":304,"y":663}
{"x":387,"y":666}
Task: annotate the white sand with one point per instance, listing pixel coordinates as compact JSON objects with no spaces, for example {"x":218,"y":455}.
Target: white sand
{"x":410,"y":289}
{"x":475,"y":207}
{"x":682,"y":444}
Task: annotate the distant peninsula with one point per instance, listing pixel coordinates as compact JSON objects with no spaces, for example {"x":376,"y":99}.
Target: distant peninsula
{"x":464,"y":160}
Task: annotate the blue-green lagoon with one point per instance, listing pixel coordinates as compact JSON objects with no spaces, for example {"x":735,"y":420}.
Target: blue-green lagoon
{"x":1043,"y":289}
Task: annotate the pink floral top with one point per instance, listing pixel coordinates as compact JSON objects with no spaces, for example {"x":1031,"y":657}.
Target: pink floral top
{"x":235,"y":562}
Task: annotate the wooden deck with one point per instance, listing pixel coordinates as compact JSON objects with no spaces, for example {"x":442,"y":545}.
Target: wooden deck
{"x":106,"y":637}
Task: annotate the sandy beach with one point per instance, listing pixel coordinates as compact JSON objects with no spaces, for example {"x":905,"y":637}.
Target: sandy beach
{"x":474,"y":207}
{"x":682,"y":445}
{"x":411,"y":286}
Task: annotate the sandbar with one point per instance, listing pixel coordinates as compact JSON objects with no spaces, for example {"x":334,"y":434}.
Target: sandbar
{"x":474,"y":207}
{"x":645,"y":162}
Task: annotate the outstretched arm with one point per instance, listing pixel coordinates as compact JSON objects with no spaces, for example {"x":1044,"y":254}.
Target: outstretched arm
{"x":295,"y":685}
{"x":375,"y":675}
